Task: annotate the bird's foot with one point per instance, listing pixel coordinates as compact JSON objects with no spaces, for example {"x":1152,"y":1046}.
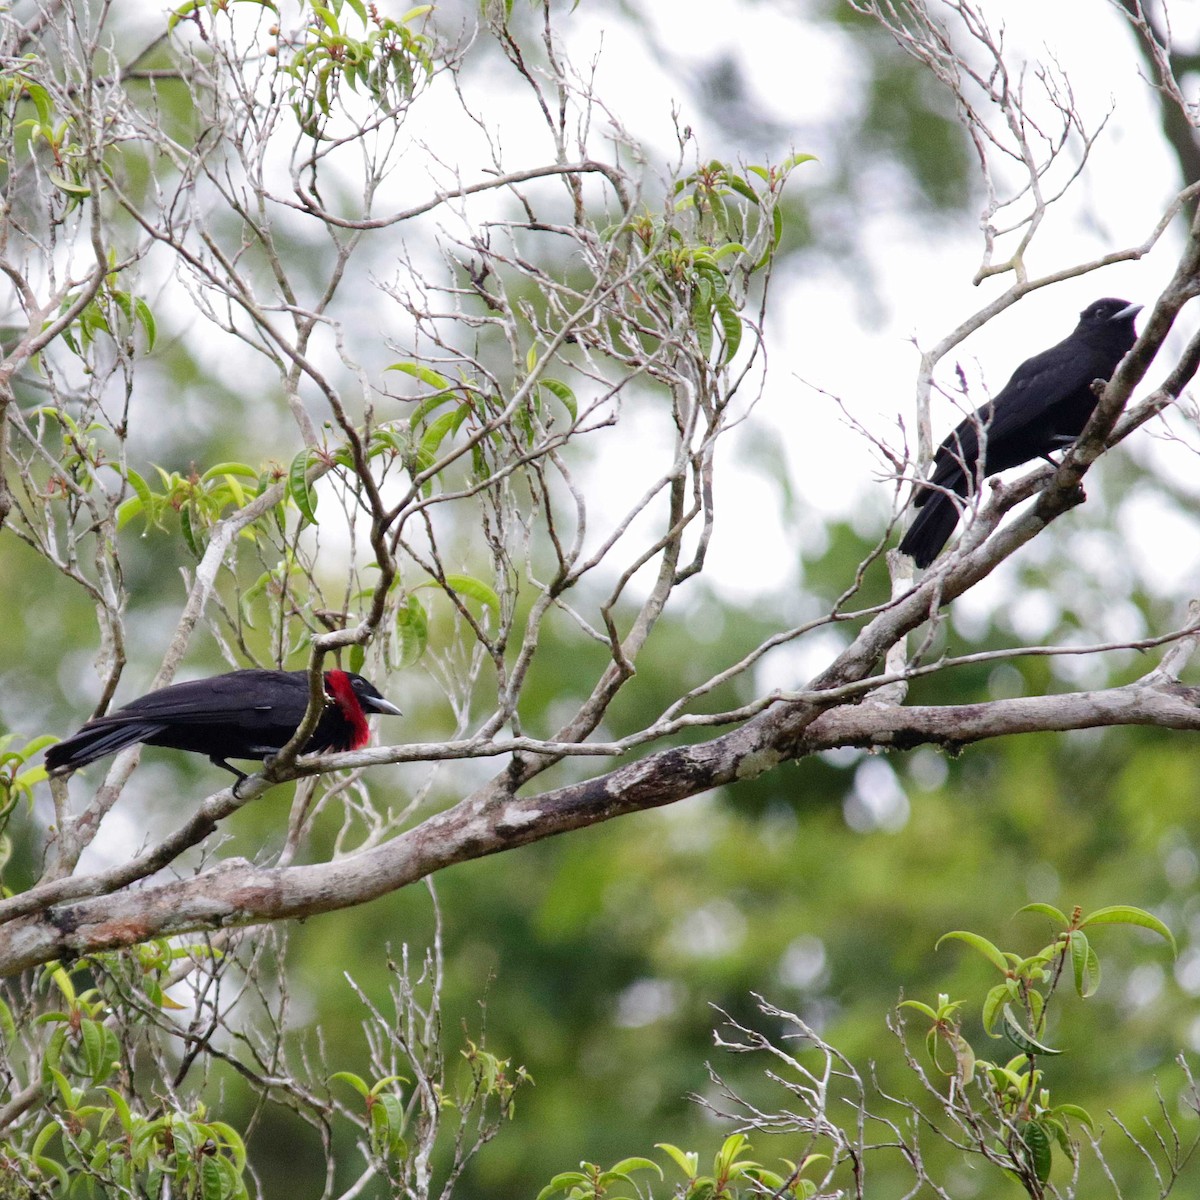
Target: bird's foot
{"x":1060,"y":441}
{"x":226,"y":766}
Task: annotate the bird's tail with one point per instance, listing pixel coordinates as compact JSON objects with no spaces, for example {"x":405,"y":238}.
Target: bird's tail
{"x":95,"y":740}
{"x":931,"y":530}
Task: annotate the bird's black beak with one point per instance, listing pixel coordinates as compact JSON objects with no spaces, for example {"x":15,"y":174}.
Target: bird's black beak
{"x":380,"y":705}
{"x":1130,"y":310}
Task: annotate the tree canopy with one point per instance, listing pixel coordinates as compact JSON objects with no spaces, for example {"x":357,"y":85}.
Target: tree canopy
{"x":343,"y":336}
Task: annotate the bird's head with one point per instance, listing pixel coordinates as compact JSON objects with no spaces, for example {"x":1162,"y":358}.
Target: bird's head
{"x":368,"y":695}
{"x":1109,"y":311}
{"x":355,"y":696}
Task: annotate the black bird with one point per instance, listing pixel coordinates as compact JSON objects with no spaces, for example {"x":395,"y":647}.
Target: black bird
{"x":245,"y":714}
{"x":1044,"y":406}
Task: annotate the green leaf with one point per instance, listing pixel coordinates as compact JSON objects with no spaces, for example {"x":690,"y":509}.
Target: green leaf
{"x":7,"y":1025}
{"x":730,"y":1149}
{"x":67,"y":1093}
{"x":702,"y":319}
{"x":1079,"y":1114}
{"x":989,"y":951}
{"x":1019,"y":1036}
{"x":93,"y":1046}
{"x":298,"y":488}
{"x":964,"y":1056}
{"x":428,"y":405}
{"x":393,"y":1107}
{"x":326,"y":15}
{"x":1047,"y":910}
{"x":46,"y":1132}
{"x":386,"y":440}
{"x":47,"y":1166}
{"x":1037,"y":1005}
{"x":711,"y":275}
{"x":122,"y":1109}
{"x":41,"y":101}
{"x":743,"y":189}
{"x":62,"y":980}
{"x":355,"y":1081}
{"x":566,"y":397}
{"x":687,"y":1161}
{"x":212,"y":1179}
{"x":101,"y":1049}
{"x":796,"y":160}
{"x":731,"y":325}
{"x":636,"y":1164}
{"x":1126,"y":914}
{"x":148,"y":323}
{"x":562,"y":1183}
{"x":34,"y":745}
{"x":1037,"y":1143}
{"x":918,"y":1006}
{"x":424,"y":374}
{"x":127,"y":510}
{"x":434,"y":435}
{"x":68,"y":186}
{"x":182,"y":12}
{"x":141,"y":489}
{"x":386,"y":1082}
{"x":1085,"y":965}
{"x":995,"y":1000}
{"x":727,"y":249}
{"x":101,"y":1157}
{"x":251,"y":594}
{"x":187,"y":528}
{"x":412,"y":629}
{"x":1061,"y":1136}
{"x":232,"y":492}
{"x":231,"y":1140}
{"x":26,"y":779}
{"x":1003,"y":1077}
{"x":468,"y":586}
{"x":229,"y":468}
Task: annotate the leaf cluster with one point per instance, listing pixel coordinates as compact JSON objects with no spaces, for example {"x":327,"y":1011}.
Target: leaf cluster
{"x":733,"y":1175}
{"x":99,"y":1140}
{"x":1018,"y":1009}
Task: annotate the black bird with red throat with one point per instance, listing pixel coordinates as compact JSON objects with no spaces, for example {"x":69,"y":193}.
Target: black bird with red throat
{"x":248,"y":714}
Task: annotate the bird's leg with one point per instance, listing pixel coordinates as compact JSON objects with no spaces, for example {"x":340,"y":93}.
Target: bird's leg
{"x":225,"y":766}
{"x":1060,"y":441}
{"x":269,"y":761}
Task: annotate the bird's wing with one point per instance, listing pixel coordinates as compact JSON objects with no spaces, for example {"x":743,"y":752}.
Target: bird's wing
{"x":1039,"y":385}
{"x":954,"y":462}
{"x":215,"y":699}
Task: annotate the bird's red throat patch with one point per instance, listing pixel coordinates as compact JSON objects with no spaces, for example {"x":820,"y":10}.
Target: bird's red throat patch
{"x":341,"y":690}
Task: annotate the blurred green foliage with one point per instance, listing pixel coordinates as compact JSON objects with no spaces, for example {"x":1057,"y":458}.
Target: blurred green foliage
{"x":602,"y":958}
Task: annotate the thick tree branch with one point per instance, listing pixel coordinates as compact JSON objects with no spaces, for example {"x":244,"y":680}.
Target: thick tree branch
{"x":237,"y":893}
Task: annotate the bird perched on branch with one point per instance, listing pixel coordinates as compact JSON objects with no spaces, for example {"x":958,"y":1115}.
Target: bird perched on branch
{"x":244,"y":714}
{"x":1043,"y":407}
